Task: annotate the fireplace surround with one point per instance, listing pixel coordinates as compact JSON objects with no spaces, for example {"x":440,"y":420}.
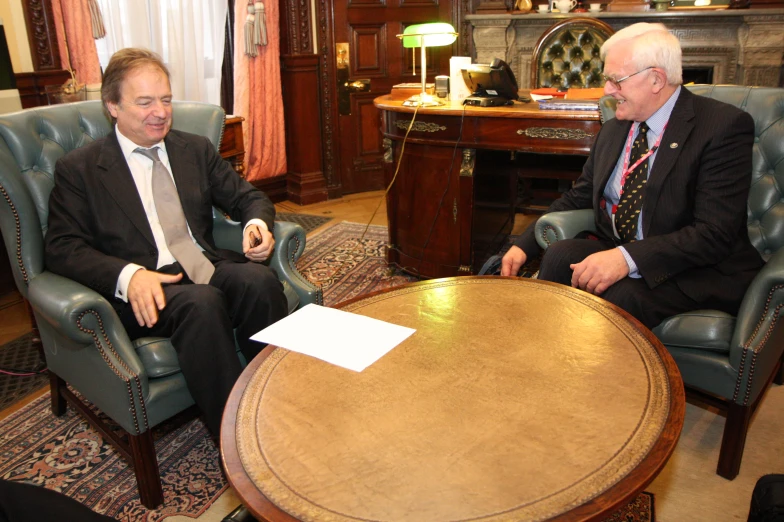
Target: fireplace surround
{"x":743,"y":46}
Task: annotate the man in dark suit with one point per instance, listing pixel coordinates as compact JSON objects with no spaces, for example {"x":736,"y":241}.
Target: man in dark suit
{"x":130,"y":216}
{"x":668,"y":180}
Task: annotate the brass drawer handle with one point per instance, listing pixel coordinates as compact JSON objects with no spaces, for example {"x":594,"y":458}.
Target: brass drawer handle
{"x":419,"y":126}
{"x":552,"y":133}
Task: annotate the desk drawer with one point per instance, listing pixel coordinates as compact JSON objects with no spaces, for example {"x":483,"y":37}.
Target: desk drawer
{"x":426,"y":127}
{"x":546,"y":136}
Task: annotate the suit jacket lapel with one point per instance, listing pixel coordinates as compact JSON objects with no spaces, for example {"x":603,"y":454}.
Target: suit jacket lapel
{"x":672,"y":145}
{"x":119,"y":184}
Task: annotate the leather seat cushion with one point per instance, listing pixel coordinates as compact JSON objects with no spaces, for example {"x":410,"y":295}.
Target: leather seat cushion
{"x":158,"y":356}
{"x":709,"y":330}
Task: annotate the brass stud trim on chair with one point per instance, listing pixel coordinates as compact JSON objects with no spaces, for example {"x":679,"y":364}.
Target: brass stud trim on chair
{"x":18,"y":234}
{"x":760,"y":346}
{"x":544,"y":233}
{"x":111,"y":365}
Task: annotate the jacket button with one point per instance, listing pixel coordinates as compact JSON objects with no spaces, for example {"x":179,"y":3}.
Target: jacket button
{"x":153,"y":252}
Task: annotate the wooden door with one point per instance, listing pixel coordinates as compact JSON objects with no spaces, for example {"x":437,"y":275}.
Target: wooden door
{"x":365,"y":47}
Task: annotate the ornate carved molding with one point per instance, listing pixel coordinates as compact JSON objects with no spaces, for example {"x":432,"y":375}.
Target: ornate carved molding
{"x":41,"y":34}
{"x":329,"y":112}
{"x":554,"y":133}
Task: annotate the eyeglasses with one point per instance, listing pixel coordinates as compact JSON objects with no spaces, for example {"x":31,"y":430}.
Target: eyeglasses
{"x":617,"y":83}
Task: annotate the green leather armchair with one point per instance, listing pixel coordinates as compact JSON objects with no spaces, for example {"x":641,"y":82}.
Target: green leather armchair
{"x":728,"y":361}
{"x":136,"y":384}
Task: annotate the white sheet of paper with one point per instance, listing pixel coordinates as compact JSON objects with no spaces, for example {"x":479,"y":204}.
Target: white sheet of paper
{"x":341,"y":338}
{"x":538,"y":97}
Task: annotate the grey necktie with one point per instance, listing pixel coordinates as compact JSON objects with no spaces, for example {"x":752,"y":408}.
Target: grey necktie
{"x":172,"y":220}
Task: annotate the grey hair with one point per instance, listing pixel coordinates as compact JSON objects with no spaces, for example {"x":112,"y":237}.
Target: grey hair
{"x":653,"y":46}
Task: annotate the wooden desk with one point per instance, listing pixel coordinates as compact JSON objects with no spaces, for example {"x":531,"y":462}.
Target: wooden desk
{"x":452,"y":204}
{"x":514,"y":400}
{"x":232,"y":147}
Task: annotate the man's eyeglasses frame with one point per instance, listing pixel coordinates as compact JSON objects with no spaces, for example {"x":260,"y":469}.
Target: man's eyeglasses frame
{"x":617,"y":83}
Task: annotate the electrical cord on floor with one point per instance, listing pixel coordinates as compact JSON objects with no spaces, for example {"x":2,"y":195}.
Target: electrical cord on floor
{"x":22,"y":373}
{"x":384,"y":195}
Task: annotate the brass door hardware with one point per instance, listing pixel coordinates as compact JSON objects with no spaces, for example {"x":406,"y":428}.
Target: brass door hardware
{"x":346,"y":85}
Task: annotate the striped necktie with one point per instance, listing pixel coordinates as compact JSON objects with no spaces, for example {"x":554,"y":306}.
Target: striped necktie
{"x":629,"y":207}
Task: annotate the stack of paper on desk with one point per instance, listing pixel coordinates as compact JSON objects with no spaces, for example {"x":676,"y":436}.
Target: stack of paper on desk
{"x":341,"y":338}
{"x":569,"y":105}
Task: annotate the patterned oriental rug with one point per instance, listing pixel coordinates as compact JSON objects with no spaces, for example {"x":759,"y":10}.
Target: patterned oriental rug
{"x":66,"y":455}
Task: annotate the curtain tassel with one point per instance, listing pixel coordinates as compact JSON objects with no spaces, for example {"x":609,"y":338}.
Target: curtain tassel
{"x":99,"y":31}
{"x":250,"y":46}
{"x":260,"y":27}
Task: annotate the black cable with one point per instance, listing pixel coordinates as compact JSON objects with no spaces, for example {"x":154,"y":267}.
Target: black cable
{"x":384,"y":195}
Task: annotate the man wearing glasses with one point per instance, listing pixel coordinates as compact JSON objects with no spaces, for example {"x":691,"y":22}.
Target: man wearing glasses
{"x":668,"y":180}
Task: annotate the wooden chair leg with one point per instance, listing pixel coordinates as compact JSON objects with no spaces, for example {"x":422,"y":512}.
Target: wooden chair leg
{"x":36,"y":340}
{"x":59,"y":405}
{"x":779,"y":378}
{"x":734,"y":440}
{"x":145,"y":467}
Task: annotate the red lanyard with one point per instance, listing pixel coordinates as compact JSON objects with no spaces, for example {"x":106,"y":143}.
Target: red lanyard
{"x":628,"y":151}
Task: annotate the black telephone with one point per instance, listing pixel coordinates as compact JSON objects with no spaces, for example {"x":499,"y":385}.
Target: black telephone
{"x":492,"y":85}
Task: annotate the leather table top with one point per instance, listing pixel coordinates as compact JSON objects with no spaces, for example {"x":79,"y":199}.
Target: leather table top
{"x":514,"y":400}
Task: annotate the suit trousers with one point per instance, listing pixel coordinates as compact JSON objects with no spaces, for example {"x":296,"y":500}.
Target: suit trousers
{"x":202,"y":320}
{"x":648,"y":305}
{"x":21,"y":502}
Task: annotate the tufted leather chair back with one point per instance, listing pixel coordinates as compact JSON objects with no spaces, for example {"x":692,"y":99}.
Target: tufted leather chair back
{"x":766,"y":197}
{"x":567,"y":54}
{"x":32,"y":141}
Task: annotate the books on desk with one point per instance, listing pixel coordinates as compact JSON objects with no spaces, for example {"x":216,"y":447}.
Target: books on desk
{"x":569,"y":105}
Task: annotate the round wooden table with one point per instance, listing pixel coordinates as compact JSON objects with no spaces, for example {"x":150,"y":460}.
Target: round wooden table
{"x":514,"y":400}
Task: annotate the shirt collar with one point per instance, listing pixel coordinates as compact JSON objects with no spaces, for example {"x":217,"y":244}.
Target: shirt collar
{"x":128,"y":147}
{"x":660,"y":118}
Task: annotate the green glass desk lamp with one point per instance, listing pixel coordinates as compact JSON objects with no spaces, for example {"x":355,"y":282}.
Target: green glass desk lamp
{"x":434,"y":34}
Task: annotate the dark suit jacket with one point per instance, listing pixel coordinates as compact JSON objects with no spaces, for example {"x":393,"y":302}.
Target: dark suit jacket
{"x":97,"y":224}
{"x":694,"y":211}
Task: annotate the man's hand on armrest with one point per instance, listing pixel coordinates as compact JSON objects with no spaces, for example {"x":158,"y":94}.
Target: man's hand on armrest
{"x":512,"y":261}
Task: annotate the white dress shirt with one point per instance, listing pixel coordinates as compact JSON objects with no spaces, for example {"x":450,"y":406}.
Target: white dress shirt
{"x":141,"y":170}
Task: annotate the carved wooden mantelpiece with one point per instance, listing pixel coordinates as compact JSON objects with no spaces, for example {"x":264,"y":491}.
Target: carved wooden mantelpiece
{"x":41,"y":34}
{"x":744,"y":46}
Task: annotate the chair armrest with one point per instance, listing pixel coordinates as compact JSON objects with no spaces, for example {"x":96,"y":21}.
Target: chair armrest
{"x":63,"y":302}
{"x":555,"y":226}
{"x":226,"y":233}
{"x":289,"y":245}
{"x":756,"y":343}
{"x":87,"y":346}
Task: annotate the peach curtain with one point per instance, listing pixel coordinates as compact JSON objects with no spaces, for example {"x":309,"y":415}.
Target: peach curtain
{"x":258,"y":96}
{"x":80,"y":43}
